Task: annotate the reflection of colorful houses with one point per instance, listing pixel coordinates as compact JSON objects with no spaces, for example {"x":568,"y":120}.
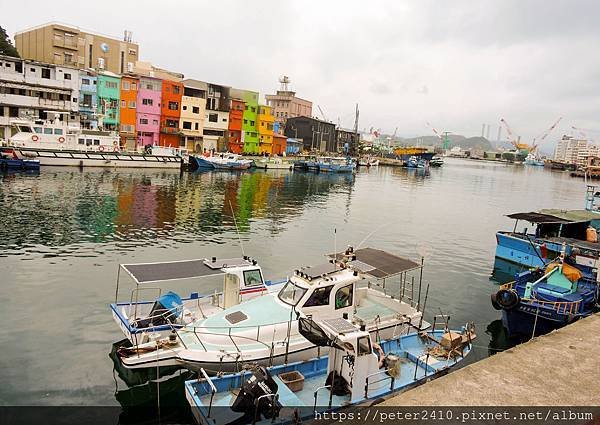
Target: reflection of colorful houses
{"x":236,"y":114}
{"x":148,"y":111}
{"x":170,"y":113}
{"x":129,"y":90}
{"x":264,"y":124}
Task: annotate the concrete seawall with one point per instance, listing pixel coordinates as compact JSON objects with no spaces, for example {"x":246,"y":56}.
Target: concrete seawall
{"x":558,"y":369}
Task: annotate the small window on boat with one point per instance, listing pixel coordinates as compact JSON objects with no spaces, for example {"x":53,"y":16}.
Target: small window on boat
{"x":364,"y":345}
{"x":58,"y":131}
{"x":320,"y":296}
{"x":47,"y":131}
{"x":37,"y":129}
{"x":96,"y":142}
{"x":252,"y":277}
{"x":343,"y":296}
{"x":81,"y":141}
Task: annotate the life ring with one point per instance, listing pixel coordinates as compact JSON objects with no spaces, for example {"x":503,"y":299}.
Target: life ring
{"x":61,"y":139}
{"x":35,"y":138}
{"x":101,"y":148}
{"x":508,"y":299}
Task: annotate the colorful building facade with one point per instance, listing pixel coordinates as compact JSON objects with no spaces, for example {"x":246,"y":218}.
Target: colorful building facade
{"x":236,"y":115}
{"x":109,"y":96}
{"x":279,"y":144}
{"x":191,"y":122}
{"x":249,"y":119}
{"x":88,"y":99}
{"x":264,"y":124}
{"x":170,"y":113}
{"x":148,"y":111}
{"x":128,"y":112}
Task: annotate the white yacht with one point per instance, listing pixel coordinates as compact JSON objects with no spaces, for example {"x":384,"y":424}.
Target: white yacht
{"x":55,"y":142}
{"x":264,"y":330}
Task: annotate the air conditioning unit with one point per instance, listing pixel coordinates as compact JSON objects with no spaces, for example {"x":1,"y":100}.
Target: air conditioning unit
{"x":130,"y":67}
{"x":100,"y":63}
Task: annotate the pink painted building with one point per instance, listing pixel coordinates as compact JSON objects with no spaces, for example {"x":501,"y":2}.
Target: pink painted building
{"x":148,"y":111}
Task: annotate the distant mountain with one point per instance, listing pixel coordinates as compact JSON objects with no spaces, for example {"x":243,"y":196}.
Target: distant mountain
{"x":455,"y":140}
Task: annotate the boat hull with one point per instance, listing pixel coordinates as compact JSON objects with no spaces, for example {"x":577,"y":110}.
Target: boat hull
{"x":71,"y":158}
{"x":521,"y":321}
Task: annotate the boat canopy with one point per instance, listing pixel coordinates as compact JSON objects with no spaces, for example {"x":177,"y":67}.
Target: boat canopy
{"x":556,"y":216}
{"x":377,"y":263}
{"x":177,"y":270}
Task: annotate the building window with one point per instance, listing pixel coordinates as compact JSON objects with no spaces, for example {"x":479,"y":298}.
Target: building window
{"x":187,"y":125}
{"x":155,"y":122}
{"x":46,"y":73}
{"x":173,"y":106}
{"x":245,"y":121}
{"x":132,"y":104}
{"x":90,"y":51}
{"x":175,"y":89}
{"x":147,"y":102}
{"x":224,"y":120}
{"x":123,"y":104}
{"x":85,"y":81}
{"x":252,"y":123}
{"x":184,"y":107}
{"x":143,"y":121}
{"x":213,"y":117}
{"x":13,"y":112}
{"x":110,"y":84}
{"x":195,"y":110}
{"x":172,"y":123}
{"x":125,"y":85}
{"x":195,"y":126}
{"x":133,"y":86}
{"x":132,"y":52}
{"x":67,"y":76}
{"x":252,"y":109}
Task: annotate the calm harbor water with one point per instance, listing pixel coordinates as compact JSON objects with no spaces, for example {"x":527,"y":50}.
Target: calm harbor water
{"x":64,"y":232}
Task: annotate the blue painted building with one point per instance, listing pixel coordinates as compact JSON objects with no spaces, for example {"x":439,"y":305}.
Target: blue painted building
{"x":293,"y":146}
{"x":88,"y":99}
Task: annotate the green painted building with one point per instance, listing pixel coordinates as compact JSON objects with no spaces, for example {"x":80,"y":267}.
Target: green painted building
{"x":249,"y":119}
{"x":109,"y":97}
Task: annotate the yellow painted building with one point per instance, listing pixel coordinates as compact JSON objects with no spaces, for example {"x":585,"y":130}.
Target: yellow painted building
{"x":191,"y":121}
{"x":265,"y":120}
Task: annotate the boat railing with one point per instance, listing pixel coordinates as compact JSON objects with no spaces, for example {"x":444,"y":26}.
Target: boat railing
{"x":384,"y":378}
{"x":213,"y":389}
{"x":561,"y":307}
{"x":316,"y":395}
{"x":135,"y":293}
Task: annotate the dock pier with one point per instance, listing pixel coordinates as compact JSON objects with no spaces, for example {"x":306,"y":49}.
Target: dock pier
{"x":561,"y":368}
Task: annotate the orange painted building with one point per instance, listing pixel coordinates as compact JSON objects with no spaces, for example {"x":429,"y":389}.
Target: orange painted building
{"x":127,"y":130}
{"x":279,"y":144}
{"x":236,"y":112}
{"x":170,"y":112}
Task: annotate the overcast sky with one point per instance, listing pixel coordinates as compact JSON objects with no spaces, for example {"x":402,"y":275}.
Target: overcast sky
{"x":455,"y":64}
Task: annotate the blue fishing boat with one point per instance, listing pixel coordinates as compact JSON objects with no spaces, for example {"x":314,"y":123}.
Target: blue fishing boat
{"x":541,"y":300}
{"x":416,"y":162}
{"x":576,"y":229}
{"x":307,"y":164}
{"x":336,"y":165}
{"x":355,"y":370}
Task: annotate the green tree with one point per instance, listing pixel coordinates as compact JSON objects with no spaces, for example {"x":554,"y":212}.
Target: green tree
{"x":6,"y":46}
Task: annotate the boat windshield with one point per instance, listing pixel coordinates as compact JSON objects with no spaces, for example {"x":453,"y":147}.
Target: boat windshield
{"x":291,"y":293}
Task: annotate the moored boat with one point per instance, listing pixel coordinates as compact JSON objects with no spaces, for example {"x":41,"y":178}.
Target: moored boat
{"x":222,"y":161}
{"x":532,"y":159}
{"x":54,"y":142}
{"x":436,"y":161}
{"x":9,"y":162}
{"x":264,"y":330}
{"x":274,"y":163}
{"x":356,"y":369}
{"x":368,"y":161}
{"x":336,"y":165}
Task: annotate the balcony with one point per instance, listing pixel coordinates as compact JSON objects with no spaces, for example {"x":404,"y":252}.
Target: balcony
{"x":170,"y":130}
{"x":58,"y":42}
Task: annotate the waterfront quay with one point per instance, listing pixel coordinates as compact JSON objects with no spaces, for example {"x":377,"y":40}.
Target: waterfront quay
{"x":557,"y":369}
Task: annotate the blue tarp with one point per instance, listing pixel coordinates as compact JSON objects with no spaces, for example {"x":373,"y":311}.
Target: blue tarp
{"x":172,"y":302}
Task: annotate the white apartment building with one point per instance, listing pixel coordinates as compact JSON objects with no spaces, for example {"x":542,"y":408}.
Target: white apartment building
{"x":29,"y":89}
{"x":574,"y":151}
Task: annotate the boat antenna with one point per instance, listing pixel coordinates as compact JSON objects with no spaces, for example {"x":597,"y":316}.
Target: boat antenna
{"x":370,"y":234}
{"x":236,"y":229}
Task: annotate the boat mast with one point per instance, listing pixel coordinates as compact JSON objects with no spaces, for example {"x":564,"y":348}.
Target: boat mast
{"x":354,"y":147}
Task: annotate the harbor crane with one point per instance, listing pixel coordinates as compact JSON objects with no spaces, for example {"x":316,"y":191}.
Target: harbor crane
{"x":445,"y":141}
{"x":515,"y":140}
{"x":322,"y":114}
{"x":544,"y":134}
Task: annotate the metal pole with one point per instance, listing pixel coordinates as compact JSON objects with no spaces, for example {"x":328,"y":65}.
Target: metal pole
{"x":117,"y":290}
{"x":424,"y":306}
{"x":420,"y":283}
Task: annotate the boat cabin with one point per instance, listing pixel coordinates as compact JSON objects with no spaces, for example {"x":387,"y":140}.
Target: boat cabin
{"x":242,"y":279}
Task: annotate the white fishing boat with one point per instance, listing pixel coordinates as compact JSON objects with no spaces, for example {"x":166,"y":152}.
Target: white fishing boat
{"x":368,"y":161}
{"x":54,"y":142}
{"x":274,"y":163}
{"x":143,"y":319}
{"x":264,"y":330}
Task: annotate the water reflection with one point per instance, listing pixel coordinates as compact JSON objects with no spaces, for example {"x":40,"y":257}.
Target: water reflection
{"x":59,"y":211}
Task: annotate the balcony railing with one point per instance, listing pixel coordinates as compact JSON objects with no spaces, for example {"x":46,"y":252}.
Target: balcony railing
{"x":170,"y":130}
